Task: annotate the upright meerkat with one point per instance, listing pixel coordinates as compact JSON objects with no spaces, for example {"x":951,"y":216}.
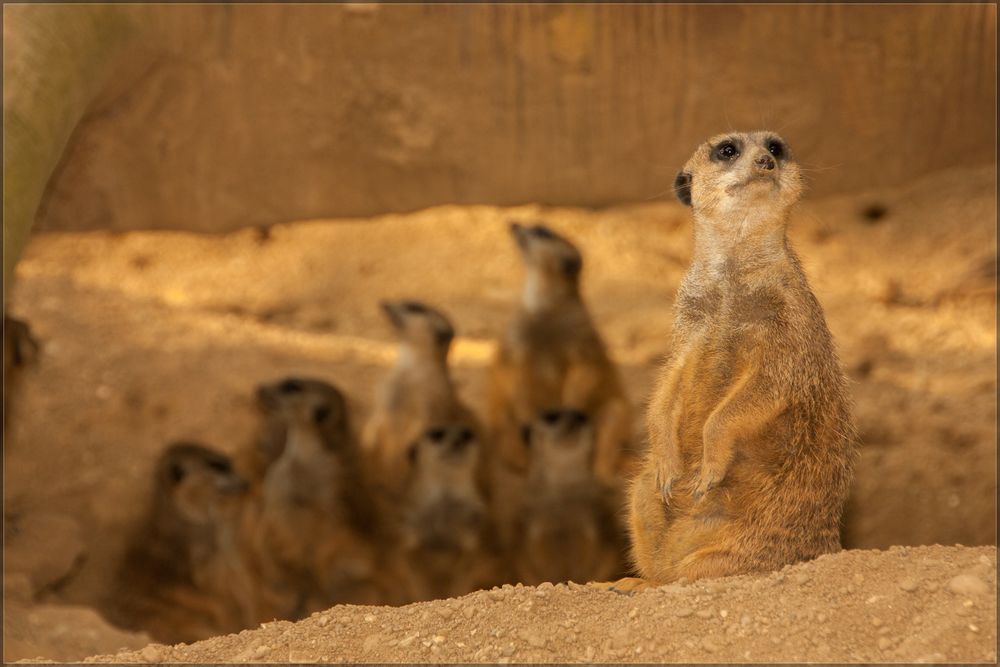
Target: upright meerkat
{"x":751,"y":441}
{"x":185,"y":576}
{"x":318,"y":526}
{"x":568,"y":529}
{"x":417,"y":393}
{"x":446,"y":535}
{"x":552,"y":356}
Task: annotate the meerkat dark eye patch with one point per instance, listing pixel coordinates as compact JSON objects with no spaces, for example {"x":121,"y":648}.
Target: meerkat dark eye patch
{"x":292,"y":387}
{"x":571,"y":266}
{"x":682,"y":187}
{"x":176,"y":472}
{"x":776,"y":148}
{"x":414,"y":307}
{"x":543,"y":232}
{"x":444,"y":336}
{"x":465,"y":436}
{"x":726,"y":151}
{"x":437,"y":434}
{"x":552,"y":416}
{"x":321,"y":413}
{"x":220,"y":466}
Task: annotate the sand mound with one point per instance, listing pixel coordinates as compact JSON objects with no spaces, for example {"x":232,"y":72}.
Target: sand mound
{"x":924,"y":604}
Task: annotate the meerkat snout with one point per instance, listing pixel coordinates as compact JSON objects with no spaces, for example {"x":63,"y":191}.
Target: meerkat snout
{"x":765,"y":162}
{"x":419,"y":324}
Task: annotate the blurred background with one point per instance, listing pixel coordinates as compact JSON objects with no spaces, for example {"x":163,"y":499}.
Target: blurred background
{"x":343,"y":154}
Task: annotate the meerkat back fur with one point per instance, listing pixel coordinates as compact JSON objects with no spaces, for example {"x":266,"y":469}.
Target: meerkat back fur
{"x":751,"y":440}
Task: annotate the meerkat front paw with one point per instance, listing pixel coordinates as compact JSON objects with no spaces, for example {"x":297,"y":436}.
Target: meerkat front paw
{"x":667,"y":475}
{"x":708,"y":480}
{"x":626,"y":586}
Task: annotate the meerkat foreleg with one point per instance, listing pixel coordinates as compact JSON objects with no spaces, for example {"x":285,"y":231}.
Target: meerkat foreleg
{"x":745,"y":409}
{"x":664,"y":442}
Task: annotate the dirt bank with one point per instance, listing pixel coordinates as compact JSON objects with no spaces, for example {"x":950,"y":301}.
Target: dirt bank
{"x":929,"y":604}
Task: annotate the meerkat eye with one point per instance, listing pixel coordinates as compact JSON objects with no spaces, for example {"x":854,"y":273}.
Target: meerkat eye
{"x":321,"y":413}
{"x":727,"y":150}
{"x":414,"y":307}
{"x":292,"y":387}
{"x":437,"y":434}
{"x":221,"y":466}
{"x":776,"y":148}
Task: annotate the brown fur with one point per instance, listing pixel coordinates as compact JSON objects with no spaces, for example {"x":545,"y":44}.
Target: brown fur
{"x":417,"y":393}
{"x":567,"y":527}
{"x":318,"y":523}
{"x":752,"y":444}
{"x":185,"y":576}
{"x":446,"y":534}
{"x":553,"y":356}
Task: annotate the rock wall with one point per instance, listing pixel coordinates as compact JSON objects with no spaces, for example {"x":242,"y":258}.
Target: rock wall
{"x":226,"y":116}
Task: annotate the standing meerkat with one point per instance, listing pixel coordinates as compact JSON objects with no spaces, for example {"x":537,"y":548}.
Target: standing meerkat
{"x":318,"y":525}
{"x":446,"y":533}
{"x":417,"y":393}
{"x":185,"y":575}
{"x":552,"y":356}
{"x":568,"y":528}
{"x":751,"y":441}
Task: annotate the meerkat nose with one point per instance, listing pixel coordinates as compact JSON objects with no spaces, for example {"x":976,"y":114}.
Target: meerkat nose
{"x":765,"y":162}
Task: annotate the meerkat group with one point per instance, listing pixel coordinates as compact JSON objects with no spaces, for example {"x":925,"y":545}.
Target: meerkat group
{"x":751,"y":444}
{"x":428,"y":500}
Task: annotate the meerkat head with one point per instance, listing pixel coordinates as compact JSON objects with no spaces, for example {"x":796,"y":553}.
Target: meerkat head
{"x":199,"y":484}
{"x":560,"y":443}
{"x":553,"y":263}
{"x":420,"y":326}
{"x":444,"y":451}
{"x":307,"y":402}
{"x":738,"y":173}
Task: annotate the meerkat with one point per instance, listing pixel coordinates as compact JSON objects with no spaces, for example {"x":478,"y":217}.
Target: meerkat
{"x":568,"y":528}
{"x":20,"y":349}
{"x":318,"y":526}
{"x":751,"y":440}
{"x":184,"y":576}
{"x":552,"y":355}
{"x":417,"y":393}
{"x":446,"y":533}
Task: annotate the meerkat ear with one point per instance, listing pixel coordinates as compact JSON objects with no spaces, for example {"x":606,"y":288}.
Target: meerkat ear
{"x":682,"y":187}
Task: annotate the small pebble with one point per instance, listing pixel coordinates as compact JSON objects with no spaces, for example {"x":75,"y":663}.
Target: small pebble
{"x":369,"y":618}
{"x":151,"y":654}
{"x":884,"y":643}
{"x":967,"y":584}
{"x":683,"y":612}
{"x":909,"y":585}
{"x":704,"y":613}
{"x":633,"y":612}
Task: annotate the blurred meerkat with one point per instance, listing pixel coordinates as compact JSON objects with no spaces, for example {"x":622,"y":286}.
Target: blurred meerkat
{"x":552,"y":355}
{"x":446,"y":534}
{"x":20,"y":349}
{"x":185,"y":576}
{"x":318,"y":525}
{"x":752,"y":444}
{"x":568,"y":526}
{"x":417,"y":393}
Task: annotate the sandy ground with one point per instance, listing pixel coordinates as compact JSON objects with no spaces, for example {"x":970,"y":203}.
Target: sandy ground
{"x":929,"y":604}
{"x":151,"y":337}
